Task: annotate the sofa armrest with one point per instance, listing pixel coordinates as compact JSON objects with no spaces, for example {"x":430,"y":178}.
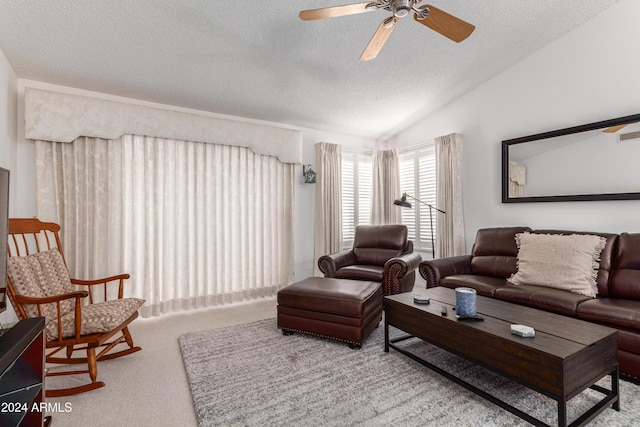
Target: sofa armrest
{"x":329,"y":264}
{"x":398,"y":268}
{"x":436,"y":269}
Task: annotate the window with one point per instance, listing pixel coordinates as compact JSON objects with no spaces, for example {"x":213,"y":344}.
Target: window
{"x":356,"y":193}
{"x":418,"y":179}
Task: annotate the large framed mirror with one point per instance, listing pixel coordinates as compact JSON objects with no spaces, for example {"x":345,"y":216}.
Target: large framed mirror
{"x":596,"y":161}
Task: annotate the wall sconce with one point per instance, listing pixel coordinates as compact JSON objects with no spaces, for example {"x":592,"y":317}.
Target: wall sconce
{"x":309,"y":174}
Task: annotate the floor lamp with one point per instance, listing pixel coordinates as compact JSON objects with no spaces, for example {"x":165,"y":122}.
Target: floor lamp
{"x":402,"y":201}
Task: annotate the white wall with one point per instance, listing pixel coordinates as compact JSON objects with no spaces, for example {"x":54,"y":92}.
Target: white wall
{"x":8,"y":136}
{"x":8,"y":111}
{"x":588,"y":75}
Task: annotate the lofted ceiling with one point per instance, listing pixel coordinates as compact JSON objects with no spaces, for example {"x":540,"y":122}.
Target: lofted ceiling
{"x":257,"y":59}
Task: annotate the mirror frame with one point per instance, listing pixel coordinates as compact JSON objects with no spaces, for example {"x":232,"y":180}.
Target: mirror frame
{"x":553,"y":134}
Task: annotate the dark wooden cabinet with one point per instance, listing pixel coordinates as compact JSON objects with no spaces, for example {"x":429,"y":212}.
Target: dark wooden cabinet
{"x":22,"y":374}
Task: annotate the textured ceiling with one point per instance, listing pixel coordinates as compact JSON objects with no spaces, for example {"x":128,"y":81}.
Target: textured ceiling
{"x":257,"y":59}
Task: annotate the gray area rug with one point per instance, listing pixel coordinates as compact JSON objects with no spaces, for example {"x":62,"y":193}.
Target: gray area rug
{"x":252,"y":375}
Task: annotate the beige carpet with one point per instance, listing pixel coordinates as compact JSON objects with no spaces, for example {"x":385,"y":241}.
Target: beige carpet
{"x":149,"y":388}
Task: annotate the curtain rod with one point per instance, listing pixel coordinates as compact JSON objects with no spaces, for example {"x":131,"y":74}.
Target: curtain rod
{"x":356,"y":150}
{"x":417,"y":146}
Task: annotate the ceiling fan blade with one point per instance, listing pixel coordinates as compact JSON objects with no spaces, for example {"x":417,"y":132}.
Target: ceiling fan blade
{"x":379,"y":39}
{"x":614,"y":129}
{"x":446,"y":24}
{"x":332,"y":12}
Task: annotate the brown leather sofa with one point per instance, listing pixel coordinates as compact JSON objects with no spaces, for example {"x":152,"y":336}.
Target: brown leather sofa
{"x":380,"y":253}
{"x":493,"y":260}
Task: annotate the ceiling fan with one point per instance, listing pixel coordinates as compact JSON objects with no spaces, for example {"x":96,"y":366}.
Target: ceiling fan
{"x":430,"y":16}
{"x":614,"y":129}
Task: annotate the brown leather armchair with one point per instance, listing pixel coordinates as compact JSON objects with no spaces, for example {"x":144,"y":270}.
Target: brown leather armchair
{"x":380,"y":253}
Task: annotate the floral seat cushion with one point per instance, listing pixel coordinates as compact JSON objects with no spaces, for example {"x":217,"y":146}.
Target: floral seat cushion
{"x":96,"y":318}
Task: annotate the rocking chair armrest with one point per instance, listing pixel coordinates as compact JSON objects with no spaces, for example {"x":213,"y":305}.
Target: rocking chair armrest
{"x":100,"y":281}
{"x":22,"y":299}
{"x":120,"y":278}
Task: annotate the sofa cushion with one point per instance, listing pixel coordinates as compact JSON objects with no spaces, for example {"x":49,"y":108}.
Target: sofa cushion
{"x":349,"y":298}
{"x":376,"y":244}
{"x":543,"y":298}
{"x":494,"y":251}
{"x":373,"y":273}
{"x":96,"y":318}
{"x":558,"y":261}
{"x":43,"y":274}
{"x":612,"y":311}
{"x":484,"y":285}
{"x":625,"y":277}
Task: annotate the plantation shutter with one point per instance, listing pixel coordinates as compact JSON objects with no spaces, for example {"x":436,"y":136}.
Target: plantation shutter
{"x":418,"y":179}
{"x":356,"y":193}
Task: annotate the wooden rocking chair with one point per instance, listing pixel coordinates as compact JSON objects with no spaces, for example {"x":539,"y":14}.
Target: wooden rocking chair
{"x":39,"y":286}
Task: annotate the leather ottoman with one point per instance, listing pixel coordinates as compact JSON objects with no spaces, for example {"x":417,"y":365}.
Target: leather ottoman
{"x":339,"y":309}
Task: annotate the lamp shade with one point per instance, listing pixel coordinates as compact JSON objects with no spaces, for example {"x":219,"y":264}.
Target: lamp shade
{"x":402,"y":201}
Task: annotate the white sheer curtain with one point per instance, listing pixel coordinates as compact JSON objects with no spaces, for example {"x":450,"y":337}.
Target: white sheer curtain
{"x":450,"y":240}
{"x":195,"y":224}
{"x":328,"y":212}
{"x":385,"y":188}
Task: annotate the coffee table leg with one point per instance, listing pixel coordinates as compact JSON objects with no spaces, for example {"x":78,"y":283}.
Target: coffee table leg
{"x":386,"y":335}
{"x":615,"y":388}
{"x":562,"y":412}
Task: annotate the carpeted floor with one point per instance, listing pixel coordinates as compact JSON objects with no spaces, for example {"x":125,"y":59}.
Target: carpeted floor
{"x":252,"y":375}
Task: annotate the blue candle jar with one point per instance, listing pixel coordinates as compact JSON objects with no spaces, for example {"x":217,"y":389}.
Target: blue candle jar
{"x":465,"y":302}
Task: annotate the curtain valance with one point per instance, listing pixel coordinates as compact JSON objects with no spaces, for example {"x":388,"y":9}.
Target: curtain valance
{"x":60,"y":117}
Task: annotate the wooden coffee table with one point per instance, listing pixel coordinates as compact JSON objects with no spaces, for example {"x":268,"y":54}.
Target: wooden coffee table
{"x":566,"y":356}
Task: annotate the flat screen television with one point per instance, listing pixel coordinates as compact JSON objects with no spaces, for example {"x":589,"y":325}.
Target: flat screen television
{"x":4,"y":228}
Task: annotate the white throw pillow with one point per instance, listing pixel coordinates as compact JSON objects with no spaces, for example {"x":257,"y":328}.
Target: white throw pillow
{"x":568,"y":262}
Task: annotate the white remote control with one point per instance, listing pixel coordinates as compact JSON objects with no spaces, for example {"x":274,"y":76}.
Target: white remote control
{"x":523,"y":331}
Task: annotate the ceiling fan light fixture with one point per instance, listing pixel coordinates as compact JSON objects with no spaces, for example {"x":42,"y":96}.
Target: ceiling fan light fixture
{"x":402,"y":12}
{"x":402,"y":8}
